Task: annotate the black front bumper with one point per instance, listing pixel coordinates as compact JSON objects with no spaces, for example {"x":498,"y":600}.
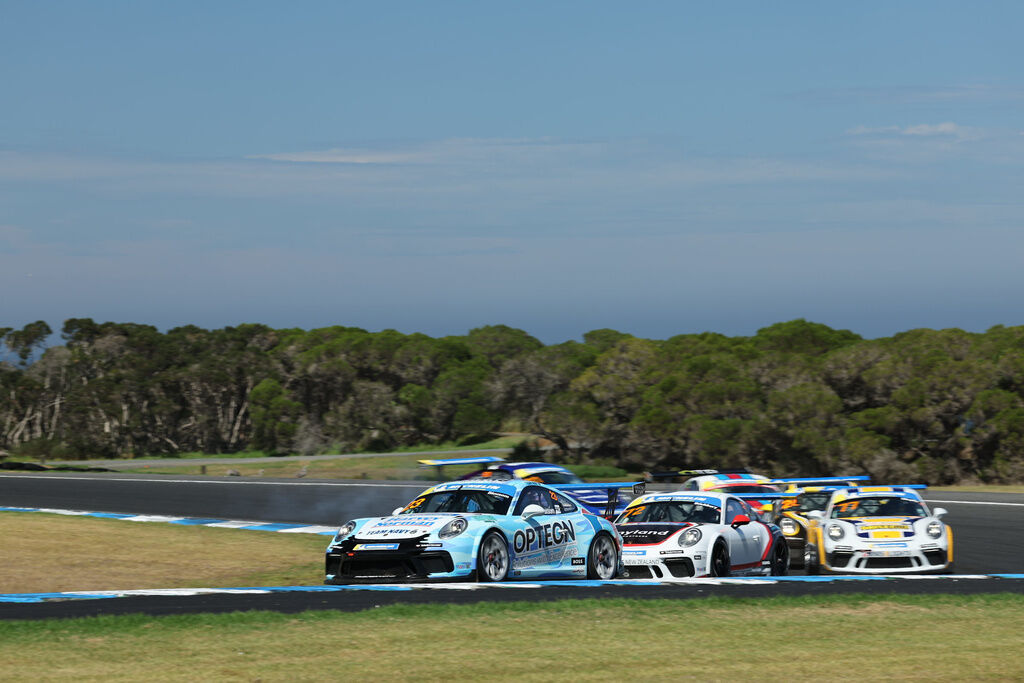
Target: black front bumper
{"x":411,"y":561}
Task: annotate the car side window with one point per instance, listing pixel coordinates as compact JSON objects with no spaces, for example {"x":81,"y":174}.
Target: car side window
{"x":535,"y":495}
{"x":732,"y":509}
{"x":563,"y":504}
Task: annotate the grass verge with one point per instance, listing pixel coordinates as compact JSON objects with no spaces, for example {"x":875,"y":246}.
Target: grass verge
{"x":930,"y":638}
{"x":506,"y":441}
{"x":49,"y":553}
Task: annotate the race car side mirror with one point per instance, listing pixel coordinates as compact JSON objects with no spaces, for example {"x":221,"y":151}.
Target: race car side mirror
{"x":532,"y":511}
{"x":396,"y":511}
{"x":815,"y":514}
{"x":938,"y":512}
{"x":740,"y":520}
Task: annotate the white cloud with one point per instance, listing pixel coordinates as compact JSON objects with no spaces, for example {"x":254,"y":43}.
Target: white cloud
{"x":450,"y":151}
{"x":12,"y":236}
{"x":340,"y":156}
{"x":946,"y":129}
{"x":502,"y":168}
{"x":952,"y":94}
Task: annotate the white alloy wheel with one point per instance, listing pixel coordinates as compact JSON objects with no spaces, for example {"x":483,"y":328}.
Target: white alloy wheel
{"x":604,"y":558}
{"x":492,"y":560}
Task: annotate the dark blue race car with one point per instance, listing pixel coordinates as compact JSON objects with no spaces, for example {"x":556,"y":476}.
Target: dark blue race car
{"x":607,"y":500}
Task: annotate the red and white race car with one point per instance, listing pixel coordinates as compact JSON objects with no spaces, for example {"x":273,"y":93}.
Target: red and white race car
{"x":698,"y":533}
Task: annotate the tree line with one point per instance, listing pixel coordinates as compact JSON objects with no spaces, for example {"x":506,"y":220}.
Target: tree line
{"x":797,"y":398}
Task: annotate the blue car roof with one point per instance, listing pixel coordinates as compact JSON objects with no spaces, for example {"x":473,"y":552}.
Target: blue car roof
{"x":527,"y":466}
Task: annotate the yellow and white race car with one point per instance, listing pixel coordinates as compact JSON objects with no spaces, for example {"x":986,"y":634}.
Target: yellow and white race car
{"x":802,"y":496}
{"x":878,"y":530}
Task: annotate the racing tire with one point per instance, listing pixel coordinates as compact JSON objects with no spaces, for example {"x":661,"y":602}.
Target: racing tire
{"x":719,"y":564}
{"x":602,"y":558}
{"x":492,"y":560}
{"x":780,"y":559}
{"x":796,"y":559}
{"x":811,"y":566}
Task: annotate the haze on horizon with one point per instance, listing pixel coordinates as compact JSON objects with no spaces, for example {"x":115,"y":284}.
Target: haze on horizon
{"x":658,"y":169}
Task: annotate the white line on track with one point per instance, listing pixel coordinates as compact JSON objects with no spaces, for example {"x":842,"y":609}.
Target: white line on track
{"x":973,"y":502}
{"x":421,"y":486}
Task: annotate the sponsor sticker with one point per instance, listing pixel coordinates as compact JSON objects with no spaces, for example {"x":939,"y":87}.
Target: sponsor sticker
{"x":375,"y":546}
{"x":543,"y":536}
{"x":579,"y":560}
{"x":887,"y":553}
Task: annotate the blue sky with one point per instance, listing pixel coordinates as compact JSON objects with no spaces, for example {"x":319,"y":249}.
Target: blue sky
{"x":659,"y":168}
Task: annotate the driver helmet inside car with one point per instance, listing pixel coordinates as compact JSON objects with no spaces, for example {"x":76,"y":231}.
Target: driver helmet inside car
{"x":895,"y":507}
{"x":539,"y":497}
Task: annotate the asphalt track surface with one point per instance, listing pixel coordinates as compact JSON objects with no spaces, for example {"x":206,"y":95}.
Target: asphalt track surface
{"x":988,"y":535}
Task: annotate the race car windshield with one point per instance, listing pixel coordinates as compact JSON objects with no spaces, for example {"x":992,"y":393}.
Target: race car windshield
{"x":878,"y":507}
{"x":813,"y":501}
{"x":748,"y":488}
{"x":488,"y":502}
{"x":556,"y":478}
{"x":672,"y":511}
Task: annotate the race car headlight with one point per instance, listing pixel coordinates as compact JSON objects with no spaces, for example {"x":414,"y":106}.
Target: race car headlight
{"x":835,"y":532}
{"x":788,"y":526}
{"x":344,"y":531}
{"x":689,"y":537}
{"x":934,"y":529}
{"x":453,"y":528}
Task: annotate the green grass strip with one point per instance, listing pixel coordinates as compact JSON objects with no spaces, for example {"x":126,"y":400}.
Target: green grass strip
{"x":850,"y":637}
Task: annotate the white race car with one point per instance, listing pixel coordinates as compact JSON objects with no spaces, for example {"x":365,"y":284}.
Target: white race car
{"x":687,"y":533}
{"x":878,"y":530}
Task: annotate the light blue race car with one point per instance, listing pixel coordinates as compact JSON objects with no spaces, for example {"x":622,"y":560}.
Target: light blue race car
{"x":477,"y":530}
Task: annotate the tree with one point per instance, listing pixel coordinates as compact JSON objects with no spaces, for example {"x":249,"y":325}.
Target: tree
{"x":802,"y":337}
{"x":274,"y":416}
{"x":27,"y":340}
{"x":498,"y":343}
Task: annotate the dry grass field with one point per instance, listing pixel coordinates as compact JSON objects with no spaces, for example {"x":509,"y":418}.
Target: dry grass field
{"x":44,"y":553}
{"x":901,"y":638}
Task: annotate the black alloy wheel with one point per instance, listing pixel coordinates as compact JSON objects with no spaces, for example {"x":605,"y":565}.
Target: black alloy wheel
{"x":780,"y":558}
{"x":720,"y":564}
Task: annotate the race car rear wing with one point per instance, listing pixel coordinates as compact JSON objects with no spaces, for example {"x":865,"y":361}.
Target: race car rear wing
{"x":638,"y":488}
{"x":894,"y":488}
{"x":444,"y":462}
{"x":766,"y":496}
{"x":696,"y":473}
{"x":818,"y":481}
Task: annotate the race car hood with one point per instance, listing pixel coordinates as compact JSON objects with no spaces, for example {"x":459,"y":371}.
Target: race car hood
{"x":404,"y":526}
{"x":648,"y":534}
{"x":883,"y":527}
